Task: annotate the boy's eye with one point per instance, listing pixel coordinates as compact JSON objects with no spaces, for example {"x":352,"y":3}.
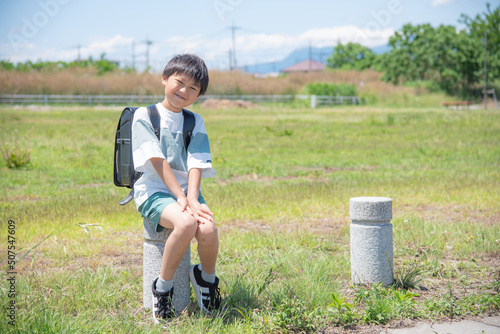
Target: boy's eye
{"x":194,"y":88}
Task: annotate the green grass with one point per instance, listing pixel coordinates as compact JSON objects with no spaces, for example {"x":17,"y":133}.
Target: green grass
{"x":281,"y":200}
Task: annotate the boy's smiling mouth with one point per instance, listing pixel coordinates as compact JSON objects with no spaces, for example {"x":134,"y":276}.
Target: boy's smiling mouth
{"x":180,"y":96}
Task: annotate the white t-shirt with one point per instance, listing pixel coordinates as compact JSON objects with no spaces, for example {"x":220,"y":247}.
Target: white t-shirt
{"x":145,"y":145}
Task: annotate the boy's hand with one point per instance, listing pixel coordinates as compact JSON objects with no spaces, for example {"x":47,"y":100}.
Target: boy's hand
{"x":201,"y":213}
{"x":183,"y":202}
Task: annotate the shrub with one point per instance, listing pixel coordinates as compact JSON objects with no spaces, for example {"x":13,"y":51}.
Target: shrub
{"x":330,"y":89}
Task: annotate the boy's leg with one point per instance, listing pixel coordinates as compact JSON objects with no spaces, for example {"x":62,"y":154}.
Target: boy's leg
{"x":208,"y":245}
{"x":204,"y":281}
{"x":184,"y":229}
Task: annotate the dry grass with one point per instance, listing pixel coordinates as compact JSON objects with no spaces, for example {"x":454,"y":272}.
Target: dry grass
{"x":78,"y":81}
{"x":85,"y":81}
{"x":367,"y":82}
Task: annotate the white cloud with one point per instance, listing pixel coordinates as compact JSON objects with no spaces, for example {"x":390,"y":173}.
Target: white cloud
{"x":107,"y":45}
{"x":440,"y":2}
{"x":250,"y":48}
{"x":33,"y":52}
{"x":270,"y":47}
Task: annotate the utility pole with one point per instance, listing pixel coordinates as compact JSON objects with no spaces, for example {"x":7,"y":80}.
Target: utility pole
{"x":485,"y":92}
{"x":78,"y":59}
{"x":148,"y":43}
{"x":310,"y":56}
{"x":133,"y":55}
{"x":233,"y":64}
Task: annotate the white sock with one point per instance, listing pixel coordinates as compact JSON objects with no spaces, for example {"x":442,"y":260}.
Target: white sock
{"x":206,"y":277}
{"x":164,"y":286}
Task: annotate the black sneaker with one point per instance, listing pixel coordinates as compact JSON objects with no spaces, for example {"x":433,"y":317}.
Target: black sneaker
{"x":162,"y":304}
{"x":207,"y":294}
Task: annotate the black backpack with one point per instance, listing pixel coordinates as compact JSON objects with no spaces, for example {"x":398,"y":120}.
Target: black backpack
{"x":124,"y":173}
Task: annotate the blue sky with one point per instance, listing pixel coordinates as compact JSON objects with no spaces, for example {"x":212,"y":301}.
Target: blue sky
{"x":266,"y":30}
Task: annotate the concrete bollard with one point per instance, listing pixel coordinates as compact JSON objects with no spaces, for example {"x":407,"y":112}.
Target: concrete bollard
{"x":154,"y":245}
{"x":371,"y":240}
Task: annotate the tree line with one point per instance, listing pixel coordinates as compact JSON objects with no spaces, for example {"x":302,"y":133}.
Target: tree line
{"x":441,"y":58}
{"x":101,"y":65}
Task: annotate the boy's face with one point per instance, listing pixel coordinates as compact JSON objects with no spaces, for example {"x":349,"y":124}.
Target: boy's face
{"x":180,"y":92}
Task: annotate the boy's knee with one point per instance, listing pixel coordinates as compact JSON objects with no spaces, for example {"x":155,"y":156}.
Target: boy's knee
{"x":188,"y":226}
{"x":207,"y":234}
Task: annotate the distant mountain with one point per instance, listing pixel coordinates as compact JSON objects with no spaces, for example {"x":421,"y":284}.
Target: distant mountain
{"x":298,"y":55}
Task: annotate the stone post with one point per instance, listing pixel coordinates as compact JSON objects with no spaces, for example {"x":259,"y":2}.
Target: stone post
{"x":154,"y":245}
{"x":371,"y":240}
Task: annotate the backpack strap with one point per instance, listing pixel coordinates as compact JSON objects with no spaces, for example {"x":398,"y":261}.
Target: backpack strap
{"x":154,"y":116}
{"x":188,"y":127}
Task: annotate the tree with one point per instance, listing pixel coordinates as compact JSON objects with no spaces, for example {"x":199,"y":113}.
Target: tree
{"x":7,"y":65}
{"x":489,"y":20}
{"x":352,"y":56}
{"x":441,"y":54}
{"x":453,"y":59}
{"x":103,"y":65}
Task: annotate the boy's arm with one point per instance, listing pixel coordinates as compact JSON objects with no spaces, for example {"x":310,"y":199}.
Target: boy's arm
{"x":199,"y":212}
{"x":165,"y":172}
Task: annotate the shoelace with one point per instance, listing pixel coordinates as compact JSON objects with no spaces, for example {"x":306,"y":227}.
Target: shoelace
{"x":165,"y":306}
{"x":214,"y":302}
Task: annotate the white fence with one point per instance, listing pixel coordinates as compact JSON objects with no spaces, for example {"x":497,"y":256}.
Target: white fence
{"x":315,"y":100}
{"x":79,"y":99}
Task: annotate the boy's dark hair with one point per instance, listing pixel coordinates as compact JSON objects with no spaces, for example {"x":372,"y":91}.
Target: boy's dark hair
{"x":190,"y":65}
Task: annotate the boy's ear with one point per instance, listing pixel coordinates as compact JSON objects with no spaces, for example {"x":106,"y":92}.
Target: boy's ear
{"x":163,"y":79}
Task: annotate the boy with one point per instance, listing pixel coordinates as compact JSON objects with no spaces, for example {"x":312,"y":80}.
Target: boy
{"x":168,"y":193}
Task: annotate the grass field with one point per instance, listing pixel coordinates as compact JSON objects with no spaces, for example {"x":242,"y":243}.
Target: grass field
{"x":281,"y":200}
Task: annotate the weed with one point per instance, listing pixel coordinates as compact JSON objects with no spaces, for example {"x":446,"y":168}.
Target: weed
{"x":405,"y":304}
{"x":267,"y":281}
{"x":452,"y":305}
{"x":407,"y":276}
{"x":16,"y":155}
{"x":377,"y":307}
{"x":294,"y":315}
{"x":343,"y":311}
{"x":381,"y":304}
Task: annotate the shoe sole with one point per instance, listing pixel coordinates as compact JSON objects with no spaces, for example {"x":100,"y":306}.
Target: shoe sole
{"x":152,"y":308}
